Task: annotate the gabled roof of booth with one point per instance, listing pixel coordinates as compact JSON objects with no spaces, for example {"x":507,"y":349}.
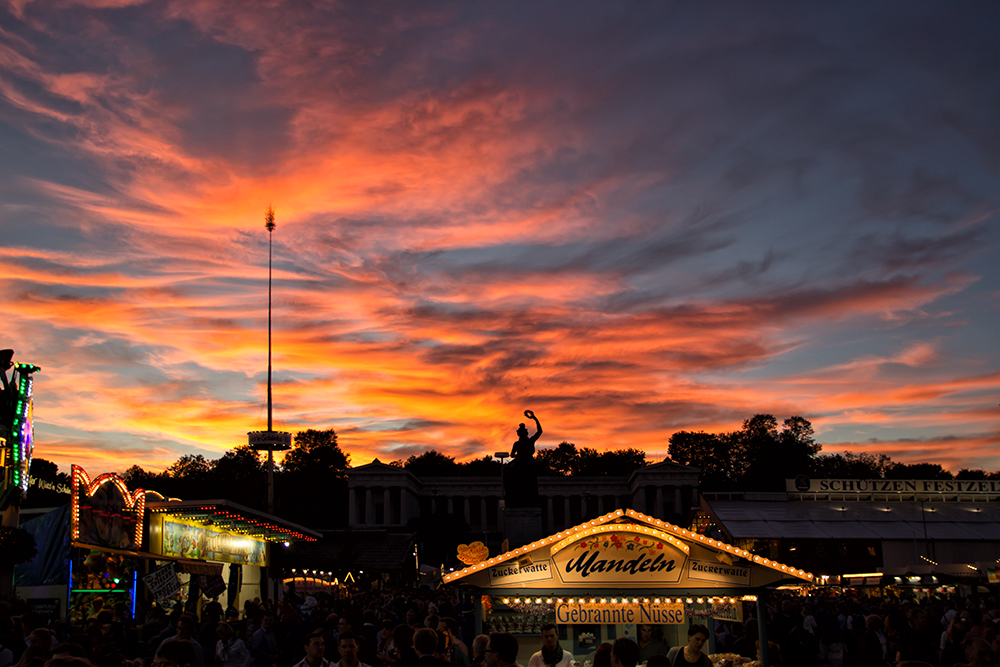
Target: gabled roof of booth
{"x":629,"y":520}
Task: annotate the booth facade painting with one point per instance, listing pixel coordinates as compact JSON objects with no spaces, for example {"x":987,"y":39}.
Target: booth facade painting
{"x":601,"y":579}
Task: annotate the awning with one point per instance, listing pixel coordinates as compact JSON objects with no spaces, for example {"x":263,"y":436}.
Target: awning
{"x":236,"y":518}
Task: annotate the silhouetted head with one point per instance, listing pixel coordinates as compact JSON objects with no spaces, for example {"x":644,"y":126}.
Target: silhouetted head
{"x":521,"y":431}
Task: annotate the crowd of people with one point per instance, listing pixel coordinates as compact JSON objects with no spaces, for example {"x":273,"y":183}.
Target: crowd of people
{"x":437,"y":629}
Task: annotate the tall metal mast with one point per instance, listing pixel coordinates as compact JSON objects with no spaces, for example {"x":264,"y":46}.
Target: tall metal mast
{"x":270,"y":440}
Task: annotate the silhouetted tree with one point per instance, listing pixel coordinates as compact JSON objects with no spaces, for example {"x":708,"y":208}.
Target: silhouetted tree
{"x":757,"y":457}
{"x":560,"y":460}
{"x":720,"y":457}
{"x":976,"y":473}
{"x":484,"y":467}
{"x":918,"y":471}
{"x":192,"y":467}
{"x":316,"y":451}
{"x":432,"y":463}
{"x":851,"y":466}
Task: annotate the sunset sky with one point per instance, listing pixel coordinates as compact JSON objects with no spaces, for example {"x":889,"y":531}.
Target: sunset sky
{"x":631,"y":218}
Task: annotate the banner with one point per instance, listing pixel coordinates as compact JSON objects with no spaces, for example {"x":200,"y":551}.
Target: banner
{"x":212,"y":585}
{"x":512,"y":573}
{"x":719,"y":573}
{"x":595,"y":613}
{"x":202,"y":543}
{"x":163,"y":584}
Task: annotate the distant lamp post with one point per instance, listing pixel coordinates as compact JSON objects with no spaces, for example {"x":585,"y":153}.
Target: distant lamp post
{"x":503,"y":497}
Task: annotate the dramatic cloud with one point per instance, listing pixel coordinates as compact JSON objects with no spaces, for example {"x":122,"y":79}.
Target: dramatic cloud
{"x":632,"y":220}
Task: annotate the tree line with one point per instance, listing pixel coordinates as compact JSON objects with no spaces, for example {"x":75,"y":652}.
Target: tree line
{"x":760,"y":457}
{"x":311,"y":482}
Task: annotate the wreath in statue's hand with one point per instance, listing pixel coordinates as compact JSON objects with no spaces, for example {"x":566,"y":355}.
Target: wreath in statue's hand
{"x":529,"y":414}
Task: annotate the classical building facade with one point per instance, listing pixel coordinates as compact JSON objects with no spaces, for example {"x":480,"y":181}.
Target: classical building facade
{"x":387,"y":497}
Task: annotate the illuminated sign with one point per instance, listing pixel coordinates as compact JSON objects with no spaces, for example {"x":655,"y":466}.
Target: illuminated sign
{"x":187,"y":540}
{"x":892,"y":486}
{"x":620,"y":558}
{"x":104,"y":512}
{"x":17,"y":445}
{"x":476,"y":552}
{"x":717,"y":572}
{"x":512,"y":573}
{"x":591,"y":613}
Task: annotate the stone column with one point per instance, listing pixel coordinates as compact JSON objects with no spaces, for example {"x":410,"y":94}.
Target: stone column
{"x":658,"y":513}
{"x":568,"y":516}
{"x":467,"y":510}
{"x":451,"y":505}
{"x":583,"y":508}
{"x":483,"y":524}
{"x":600,"y":505}
{"x":386,"y":507}
{"x":552,"y":516}
{"x":405,"y":505}
{"x":352,"y":503}
{"x":369,"y":508}
{"x":678,"y":502}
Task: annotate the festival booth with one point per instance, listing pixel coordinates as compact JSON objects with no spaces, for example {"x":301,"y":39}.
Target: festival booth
{"x":604,"y":578}
{"x":178,"y":549}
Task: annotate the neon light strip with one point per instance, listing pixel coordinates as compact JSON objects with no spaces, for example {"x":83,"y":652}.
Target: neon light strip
{"x":610,"y":516}
{"x":567,"y":536}
{"x":722,"y":546}
{"x":135,"y":502}
{"x":620,"y":527}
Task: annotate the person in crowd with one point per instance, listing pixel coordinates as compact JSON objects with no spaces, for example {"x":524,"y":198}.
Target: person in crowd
{"x":447,"y":650}
{"x":874,"y":644}
{"x":175,"y":653}
{"x":263,"y":644}
{"x":343,"y":625}
{"x":552,"y":654}
{"x":425,"y":644}
{"x":746,"y":645}
{"x":978,"y":654}
{"x":402,"y":653}
{"x":658,"y":661}
{"x":831,"y":651}
{"x":479,"y":650}
{"x":649,"y":645}
{"x":602,"y":656}
{"x":452,"y":626}
{"x":230,"y":651}
{"x":184,"y":632}
{"x":34,"y":656}
{"x":501,"y":650}
{"x":349,"y":649}
{"x":914,"y":639}
{"x":691,"y":653}
{"x":774,"y":655}
{"x":315,"y":648}
{"x":624,"y":653}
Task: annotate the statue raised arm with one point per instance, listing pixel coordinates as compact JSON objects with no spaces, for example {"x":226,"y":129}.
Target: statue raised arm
{"x":520,"y":480}
{"x":525,"y":445}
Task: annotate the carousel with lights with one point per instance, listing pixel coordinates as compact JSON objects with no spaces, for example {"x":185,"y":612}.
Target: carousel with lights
{"x":608,"y":577}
